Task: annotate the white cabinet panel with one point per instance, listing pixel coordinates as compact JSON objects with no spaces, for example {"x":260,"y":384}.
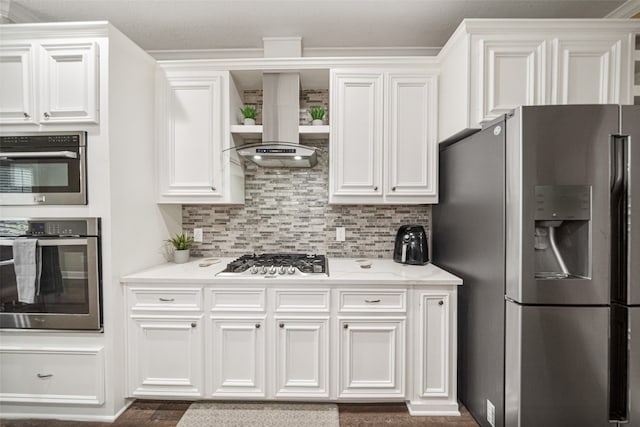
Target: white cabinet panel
{"x":302,"y":357}
{"x":238,"y":357}
{"x":69,"y":76}
{"x":434,"y":341}
{"x":512,"y":74}
{"x":586,"y":71}
{"x":52,"y":375}
{"x":371,"y":358}
{"x":356,"y":134}
{"x":411,"y":155}
{"x":17,"y":84}
{"x":165,"y":356}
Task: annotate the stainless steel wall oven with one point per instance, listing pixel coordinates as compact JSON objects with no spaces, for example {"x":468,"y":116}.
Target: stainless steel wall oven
{"x":50,"y":274}
{"x":43,"y":168}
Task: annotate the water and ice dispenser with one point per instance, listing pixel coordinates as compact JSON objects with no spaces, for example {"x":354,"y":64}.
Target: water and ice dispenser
{"x":562,"y":232}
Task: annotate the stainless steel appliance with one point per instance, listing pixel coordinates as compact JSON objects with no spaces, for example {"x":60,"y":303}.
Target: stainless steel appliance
{"x":43,"y":168}
{"x":411,"y":246}
{"x":536,"y":215}
{"x":274,"y":265}
{"x":65,"y":290}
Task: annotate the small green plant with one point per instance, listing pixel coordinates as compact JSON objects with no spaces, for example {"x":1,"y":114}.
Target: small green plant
{"x":181,"y":241}
{"x":317,"y":113}
{"x":248,"y":112}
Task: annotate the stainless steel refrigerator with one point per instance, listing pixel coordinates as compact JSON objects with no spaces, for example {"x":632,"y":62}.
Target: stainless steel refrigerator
{"x":539,"y":215}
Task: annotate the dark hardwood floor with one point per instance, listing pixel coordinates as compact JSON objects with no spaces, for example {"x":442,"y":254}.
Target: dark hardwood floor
{"x":156,"y":413}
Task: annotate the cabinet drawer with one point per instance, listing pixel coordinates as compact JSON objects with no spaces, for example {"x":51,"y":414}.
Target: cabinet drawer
{"x":306,"y":300}
{"x":188,"y":299}
{"x":237,"y":299}
{"x":57,"y":375}
{"x":358,"y":301}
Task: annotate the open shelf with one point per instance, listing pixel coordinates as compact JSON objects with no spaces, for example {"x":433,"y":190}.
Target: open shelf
{"x":306,"y":131}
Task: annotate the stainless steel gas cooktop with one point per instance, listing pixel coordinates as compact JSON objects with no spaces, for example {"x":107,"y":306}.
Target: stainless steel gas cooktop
{"x":273,"y":265}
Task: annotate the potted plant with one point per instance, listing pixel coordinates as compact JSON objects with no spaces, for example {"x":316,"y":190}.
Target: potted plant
{"x":181,"y":244}
{"x":317,"y":114}
{"x":249,"y":114}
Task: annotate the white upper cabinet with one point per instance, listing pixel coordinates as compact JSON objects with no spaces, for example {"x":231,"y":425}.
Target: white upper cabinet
{"x":193,"y":134}
{"x":490,"y":67}
{"x":383,"y":137}
{"x":46,"y":83}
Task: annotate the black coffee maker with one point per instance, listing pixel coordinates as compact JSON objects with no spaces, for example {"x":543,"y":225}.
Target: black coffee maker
{"x":411,"y":245}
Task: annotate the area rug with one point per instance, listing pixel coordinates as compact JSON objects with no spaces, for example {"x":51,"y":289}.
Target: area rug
{"x":222,"y":414}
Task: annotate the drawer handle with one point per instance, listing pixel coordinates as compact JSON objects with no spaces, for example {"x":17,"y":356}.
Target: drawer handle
{"x":440,"y":302}
{"x":372,"y":301}
{"x":167,"y":299}
{"x":45,"y":375}
{"x":257,"y":325}
{"x":194,"y":324}
{"x":282,"y":325}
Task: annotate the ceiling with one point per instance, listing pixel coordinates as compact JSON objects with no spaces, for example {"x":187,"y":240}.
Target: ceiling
{"x":241,"y":24}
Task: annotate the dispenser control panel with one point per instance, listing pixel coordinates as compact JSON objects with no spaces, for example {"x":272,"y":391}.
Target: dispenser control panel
{"x":563,"y":202}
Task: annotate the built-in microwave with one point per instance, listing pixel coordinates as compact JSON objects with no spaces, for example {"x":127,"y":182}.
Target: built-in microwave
{"x":43,"y":168}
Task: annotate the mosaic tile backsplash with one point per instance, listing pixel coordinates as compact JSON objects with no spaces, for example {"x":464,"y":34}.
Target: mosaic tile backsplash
{"x":287,"y":210}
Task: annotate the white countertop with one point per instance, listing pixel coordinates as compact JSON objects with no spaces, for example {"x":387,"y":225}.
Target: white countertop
{"x":341,"y":271}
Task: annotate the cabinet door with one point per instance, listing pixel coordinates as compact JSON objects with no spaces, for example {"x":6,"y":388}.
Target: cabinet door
{"x":302,"y":357}
{"x":433,"y":340}
{"x":510,"y":73}
{"x":69,"y":83}
{"x":191,"y":138}
{"x":371,"y":358}
{"x":17,"y":84}
{"x":356,"y":137}
{"x":587,"y":71}
{"x":238,"y":357}
{"x":165,"y":357}
{"x":411,"y":145}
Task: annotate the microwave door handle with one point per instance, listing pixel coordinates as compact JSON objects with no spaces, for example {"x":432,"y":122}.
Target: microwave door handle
{"x":51,"y":242}
{"x":39,"y":154}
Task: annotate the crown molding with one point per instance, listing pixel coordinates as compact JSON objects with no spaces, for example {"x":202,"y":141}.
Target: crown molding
{"x":14,"y":13}
{"x":628,"y":9}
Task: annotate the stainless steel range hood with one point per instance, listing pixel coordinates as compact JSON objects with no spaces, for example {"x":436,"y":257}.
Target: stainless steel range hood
{"x":280,"y":114}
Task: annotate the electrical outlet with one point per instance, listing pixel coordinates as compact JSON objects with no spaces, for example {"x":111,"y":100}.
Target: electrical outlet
{"x":341,"y":234}
{"x":197,"y":234}
{"x":491,"y":413}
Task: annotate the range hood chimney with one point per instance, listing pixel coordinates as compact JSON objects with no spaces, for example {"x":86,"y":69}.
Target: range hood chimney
{"x":280,"y":115}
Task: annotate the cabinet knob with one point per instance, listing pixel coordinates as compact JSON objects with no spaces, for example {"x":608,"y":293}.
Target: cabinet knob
{"x":26,"y":115}
{"x":393,"y":188}
{"x":257,"y":325}
{"x":440,"y":302}
{"x":375,"y":188}
{"x":46,"y":115}
{"x":194,"y":324}
{"x":45,"y":375}
{"x":282,"y":325}
{"x":213,"y":188}
{"x":346,"y":326}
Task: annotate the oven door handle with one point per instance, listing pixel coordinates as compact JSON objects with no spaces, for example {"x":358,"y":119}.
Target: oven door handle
{"x":39,"y":154}
{"x":50,"y":242}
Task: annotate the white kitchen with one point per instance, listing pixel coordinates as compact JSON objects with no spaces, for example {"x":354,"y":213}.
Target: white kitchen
{"x":262,"y":209}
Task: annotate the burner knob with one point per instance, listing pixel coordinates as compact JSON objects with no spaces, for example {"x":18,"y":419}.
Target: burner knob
{"x":282,"y":269}
{"x":254,"y":269}
{"x":263,"y":269}
{"x":291,"y":269}
{"x":273,"y":270}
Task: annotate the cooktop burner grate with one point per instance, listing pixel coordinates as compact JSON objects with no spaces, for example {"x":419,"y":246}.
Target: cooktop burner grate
{"x":277,"y":264}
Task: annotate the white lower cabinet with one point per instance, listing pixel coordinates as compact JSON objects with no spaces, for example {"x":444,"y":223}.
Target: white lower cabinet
{"x":165,"y":356}
{"x":237,"y":356}
{"x":302,"y":357}
{"x":346,"y":343}
{"x":371,"y":358}
{"x":62,"y":375}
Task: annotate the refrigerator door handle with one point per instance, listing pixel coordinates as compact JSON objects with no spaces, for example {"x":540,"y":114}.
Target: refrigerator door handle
{"x":619,"y":211}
